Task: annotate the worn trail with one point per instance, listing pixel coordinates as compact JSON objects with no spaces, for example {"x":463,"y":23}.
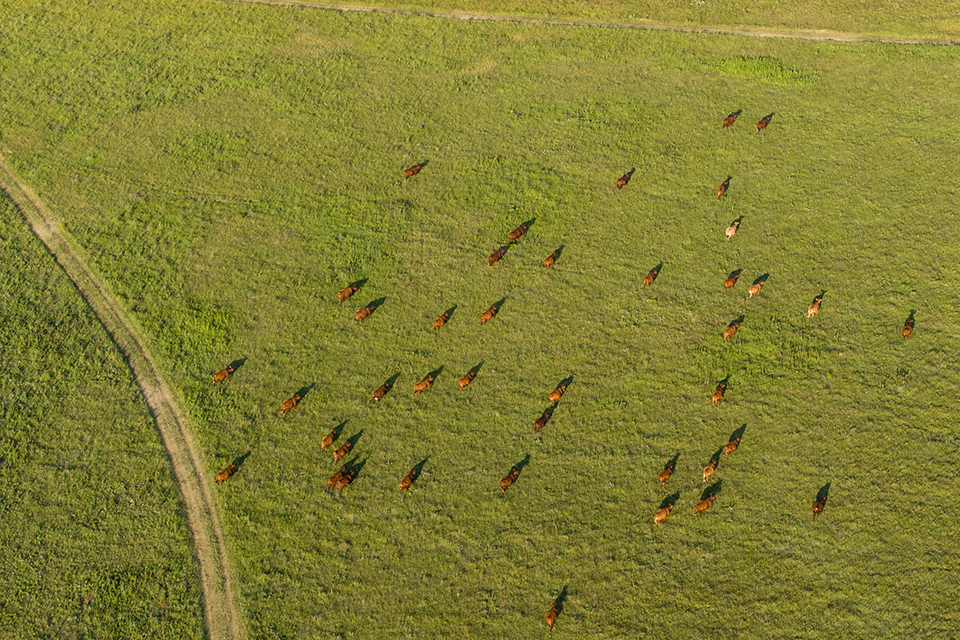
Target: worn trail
{"x":220,"y":608}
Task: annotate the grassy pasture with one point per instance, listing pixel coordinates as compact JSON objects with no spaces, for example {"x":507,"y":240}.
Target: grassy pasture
{"x":93,"y":540}
{"x":910,"y":18}
{"x":229,"y":168}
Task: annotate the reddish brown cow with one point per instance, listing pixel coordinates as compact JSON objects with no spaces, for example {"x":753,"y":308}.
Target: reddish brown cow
{"x":223,"y":374}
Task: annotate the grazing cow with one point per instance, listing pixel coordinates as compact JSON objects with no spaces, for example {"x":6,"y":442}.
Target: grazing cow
{"x":650,"y":277}
{"x":288,"y":405}
{"x":731,"y":446}
{"x":364,"y":313}
{"x":730,"y":119}
{"x":541,"y":422}
{"x":709,"y":469}
{"x":552,"y":616}
{"x":467,"y":379}
{"x":328,"y":439}
{"x":509,"y":479}
{"x":908,"y":328}
{"x":381,"y":391}
{"x":732,"y":229}
{"x":662,"y":514}
{"x":489,"y":314}
{"x":517,"y":233}
{"x":718,"y":394}
{"x":814,"y":308}
{"x":623,"y":180}
{"x":755,"y":288}
{"x":496,"y":255}
{"x":731,"y":331}
{"x":442,"y":320}
{"x":557,"y":393}
{"x":409,"y":479}
{"x":412,"y":171}
{"x":549,"y":260}
{"x":666,"y":473}
{"x":332,"y":481}
{"x":764,"y":121}
{"x":423,"y":385}
{"x":346,"y":479}
{"x":703,"y":505}
{"x":343,"y":294}
{"x":732,"y":280}
{"x":722,"y":189}
{"x":819,"y":504}
{"x":223,"y":374}
{"x":226,"y":473}
{"x":342,"y":451}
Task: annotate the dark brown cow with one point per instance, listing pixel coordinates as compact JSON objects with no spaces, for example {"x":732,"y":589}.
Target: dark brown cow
{"x":223,"y":374}
{"x":225,"y":474}
{"x":288,"y":405}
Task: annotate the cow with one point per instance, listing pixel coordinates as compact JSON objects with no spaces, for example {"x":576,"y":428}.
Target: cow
{"x":662,"y":514}
{"x":412,"y":171}
{"x":343,"y":294}
{"x":709,"y":469}
{"x":364,"y":313}
{"x":703,"y":505}
{"x":509,"y":479}
{"x":223,"y":374}
{"x":764,"y":121}
{"x":423,"y":385}
{"x":442,"y":320}
{"x":552,"y":616}
{"x":814,"y":308}
{"x":650,"y":277}
{"x":732,"y":229}
{"x":409,"y":478}
{"x":467,"y":379}
{"x":225,"y":474}
{"x":341,"y":453}
{"x":731,"y":331}
{"x":518,"y":233}
{"x":718,"y":394}
{"x":730,"y":119}
{"x":381,"y":391}
{"x":731,"y":446}
{"x":288,"y":405}
{"x":722,"y":189}
{"x":557,"y":393}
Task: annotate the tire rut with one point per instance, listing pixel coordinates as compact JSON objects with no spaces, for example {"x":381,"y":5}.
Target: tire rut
{"x":221,"y":614}
{"x":819,"y":35}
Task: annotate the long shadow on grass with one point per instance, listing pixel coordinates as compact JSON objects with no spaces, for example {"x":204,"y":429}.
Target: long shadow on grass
{"x":738,"y":433}
{"x":761,"y":279}
{"x":561,"y":599}
{"x":236,"y":364}
{"x":824,"y":491}
{"x":305,"y":390}
{"x":669,"y":501}
{"x":520,"y":465}
{"x":712,"y":490}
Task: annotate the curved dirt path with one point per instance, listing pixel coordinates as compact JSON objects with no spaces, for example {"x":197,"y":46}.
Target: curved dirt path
{"x":821,"y":35}
{"x":220,"y":609}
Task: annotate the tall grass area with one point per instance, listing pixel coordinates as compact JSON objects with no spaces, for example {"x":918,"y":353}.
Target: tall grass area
{"x":229,"y":168}
{"x":909,"y":18}
{"x":93,"y":539}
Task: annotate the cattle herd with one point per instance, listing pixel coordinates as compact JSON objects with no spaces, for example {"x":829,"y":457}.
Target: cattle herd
{"x":347,"y":473}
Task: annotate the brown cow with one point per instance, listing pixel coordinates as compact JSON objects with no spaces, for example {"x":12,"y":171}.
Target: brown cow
{"x":552,"y":616}
{"x":764,"y":121}
{"x":755,"y":288}
{"x":364,"y":313}
{"x":731,"y":331}
{"x":730,"y":119}
{"x":722,"y":189}
{"x":412,"y":171}
{"x":340,"y":453}
{"x":509,"y":479}
{"x":709,"y":469}
{"x":819,"y":504}
{"x":666,"y":473}
{"x":442,"y":320}
{"x":226,"y":473}
{"x":703,"y":505}
{"x":517,"y":233}
{"x":489,"y":314}
{"x":288,"y":405}
{"x":650,"y":277}
{"x":343,"y":294}
{"x":549,"y":260}
{"x":541,"y":422}
{"x":557,"y":393}
{"x":908,"y":327}
{"x":731,"y":281}
{"x":346,"y":479}
{"x":496,"y":255}
{"x":814,"y":308}
{"x":623,"y":180}
{"x":731,"y":446}
{"x":329,"y":439}
{"x":223,"y":374}
{"x":381,"y":391}
{"x":467,"y":379}
{"x":718,"y":394}
{"x":409,"y":479}
{"x":732,"y":229}
{"x":662,"y":514}
{"x":332,"y":481}
{"x":423,"y":385}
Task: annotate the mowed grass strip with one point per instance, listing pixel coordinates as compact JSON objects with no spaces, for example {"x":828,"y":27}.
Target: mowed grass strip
{"x":93,"y":538}
{"x":229,"y":193}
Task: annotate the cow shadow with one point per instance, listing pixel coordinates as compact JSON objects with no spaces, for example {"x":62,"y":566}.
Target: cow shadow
{"x":735,"y":274}
{"x":352,"y":440}
{"x":670,"y":500}
{"x":239,"y":460}
{"x":738,"y":433}
{"x":738,"y":320}
{"x":561,"y":599}
{"x":236,"y":364}
{"x":712,"y":490}
{"x":305,"y":390}
{"x":672,"y":462}
{"x":910,"y":318}
{"x":337,"y":430}
{"x":630,"y":173}
{"x":823,"y":492}
{"x":761,"y":279}
{"x":558,"y":252}
{"x":376,"y":304}
{"x":419,"y":466}
{"x":498,"y":305}
{"x":449,"y":312}
{"x":356,"y":465}
{"x":358,"y":283}
{"x":476,"y":368}
{"x":724,"y":383}
{"x":435,"y":373}
{"x":520,"y":465}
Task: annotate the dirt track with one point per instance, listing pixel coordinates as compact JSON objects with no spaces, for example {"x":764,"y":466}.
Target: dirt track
{"x":749,"y":32}
{"x":220,"y":610}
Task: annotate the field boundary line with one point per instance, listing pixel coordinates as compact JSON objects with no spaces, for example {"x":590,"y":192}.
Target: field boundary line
{"x":221,"y":614}
{"x":819,"y":35}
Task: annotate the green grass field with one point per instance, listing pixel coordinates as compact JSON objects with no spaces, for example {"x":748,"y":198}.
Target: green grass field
{"x":93,"y":543}
{"x":228,"y":168}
